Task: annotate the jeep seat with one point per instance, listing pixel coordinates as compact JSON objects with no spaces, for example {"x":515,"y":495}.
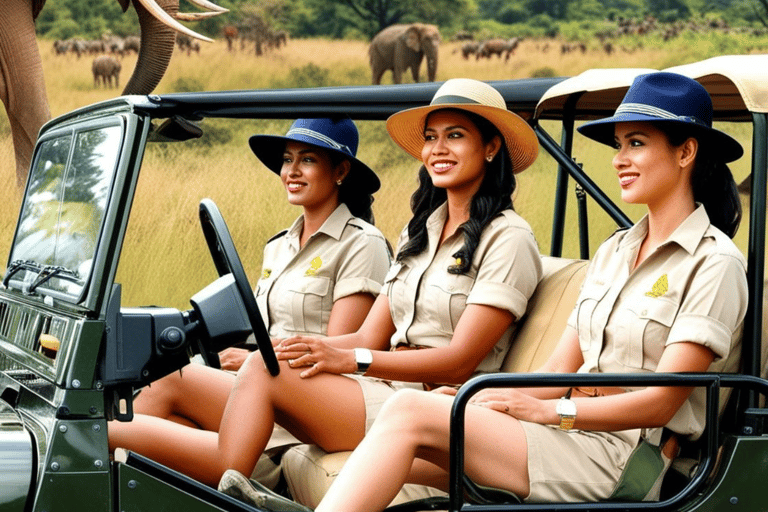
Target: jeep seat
{"x":309,"y":471}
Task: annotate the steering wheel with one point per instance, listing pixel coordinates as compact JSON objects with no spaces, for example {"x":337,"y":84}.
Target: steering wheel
{"x":227,"y":261}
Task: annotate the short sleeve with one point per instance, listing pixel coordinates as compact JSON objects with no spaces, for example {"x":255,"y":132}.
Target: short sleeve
{"x":509,"y":269}
{"x":715,"y":305}
{"x":364,"y":267}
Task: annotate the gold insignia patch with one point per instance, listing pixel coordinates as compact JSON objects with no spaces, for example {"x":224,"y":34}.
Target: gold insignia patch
{"x":314,"y":266}
{"x":458,"y":262}
{"x":266,"y":273}
{"x":659,"y":288}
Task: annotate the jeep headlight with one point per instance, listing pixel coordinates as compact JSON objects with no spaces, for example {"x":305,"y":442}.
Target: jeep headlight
{"x":15,"y":460}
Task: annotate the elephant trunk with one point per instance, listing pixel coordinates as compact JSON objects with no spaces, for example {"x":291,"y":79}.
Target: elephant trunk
{"x":431,"y":65}
{"x":157,"y":43}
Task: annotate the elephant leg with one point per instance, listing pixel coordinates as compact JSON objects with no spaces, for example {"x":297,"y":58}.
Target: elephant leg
{"x":22,"y":88}
{"x":415,"y":72}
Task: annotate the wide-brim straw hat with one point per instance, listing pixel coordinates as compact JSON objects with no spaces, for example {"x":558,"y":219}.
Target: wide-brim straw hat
{"x":665,"y":97}
{"x":407,"y":127}
{"x":337,"y":135}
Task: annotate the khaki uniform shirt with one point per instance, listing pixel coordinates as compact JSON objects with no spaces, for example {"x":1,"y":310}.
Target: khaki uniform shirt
{"x":693,"y":288}
{"x":426,"y":301}
{"x":298,"y":287}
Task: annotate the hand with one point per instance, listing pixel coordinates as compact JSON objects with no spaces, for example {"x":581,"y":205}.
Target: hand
{"x":445,"y":390}
{"x":318,"y":356}
{"x":233,"y":358}
{"x":511,"y":401}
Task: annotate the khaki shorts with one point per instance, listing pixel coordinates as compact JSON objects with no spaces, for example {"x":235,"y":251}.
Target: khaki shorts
{"x":376,"y":392}
{"x":573,"y":466}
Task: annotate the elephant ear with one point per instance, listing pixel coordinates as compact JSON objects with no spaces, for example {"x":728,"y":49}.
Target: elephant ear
{"x":413,"y":39}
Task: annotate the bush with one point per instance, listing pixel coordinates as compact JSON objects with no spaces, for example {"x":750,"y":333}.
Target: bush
{"x":187,"y":84}
{"x":310,"y":75}
{"x":545,"y":72}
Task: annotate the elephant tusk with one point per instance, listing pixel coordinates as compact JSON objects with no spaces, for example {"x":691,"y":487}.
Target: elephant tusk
{"x":194,"y":16}
{"x":205,"y":4}
{"x":158,"y":12}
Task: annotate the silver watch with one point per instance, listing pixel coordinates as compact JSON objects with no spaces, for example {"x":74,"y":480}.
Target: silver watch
{"x":364,"y":358}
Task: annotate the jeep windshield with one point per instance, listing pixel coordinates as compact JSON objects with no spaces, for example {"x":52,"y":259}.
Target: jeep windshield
{"x":58,"y":232}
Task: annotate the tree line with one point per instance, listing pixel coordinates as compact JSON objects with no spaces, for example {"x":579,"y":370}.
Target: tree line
{"x":361,"y":19}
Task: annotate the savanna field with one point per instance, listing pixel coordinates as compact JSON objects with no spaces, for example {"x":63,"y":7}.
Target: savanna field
{"x":165,"y":259}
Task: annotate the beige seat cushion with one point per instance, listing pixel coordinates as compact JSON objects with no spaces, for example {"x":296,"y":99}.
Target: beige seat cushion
{"x":309,"y":471}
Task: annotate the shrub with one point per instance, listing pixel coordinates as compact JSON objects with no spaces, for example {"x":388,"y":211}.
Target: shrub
{"x":187,"y":84}
{"x":310,"y":75}
{"x":545,"y":72}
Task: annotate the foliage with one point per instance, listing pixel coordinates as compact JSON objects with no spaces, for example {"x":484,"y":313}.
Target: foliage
{"x":361,"y":19}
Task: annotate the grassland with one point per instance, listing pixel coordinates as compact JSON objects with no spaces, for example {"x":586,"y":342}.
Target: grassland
{"x":165,"y":260}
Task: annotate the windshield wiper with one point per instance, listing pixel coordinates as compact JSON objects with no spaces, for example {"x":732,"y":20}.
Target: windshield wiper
{"x":20,"y":265}
{"x":50,"y":271}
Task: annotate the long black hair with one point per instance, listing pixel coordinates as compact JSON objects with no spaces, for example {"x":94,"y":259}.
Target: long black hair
{"x":493,"y":196}
{"x":712,"y":180}
{"x":359,"y":203}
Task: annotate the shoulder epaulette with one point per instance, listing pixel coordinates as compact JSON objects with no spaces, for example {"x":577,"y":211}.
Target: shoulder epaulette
{"x":282,"y":233}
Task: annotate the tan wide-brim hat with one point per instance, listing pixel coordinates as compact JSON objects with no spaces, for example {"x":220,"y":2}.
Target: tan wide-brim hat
{"x":407,"y":127}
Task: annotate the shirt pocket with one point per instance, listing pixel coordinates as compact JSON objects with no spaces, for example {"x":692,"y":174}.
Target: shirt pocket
{"x":646,"y":332}
{"x":311,"y":304}
{"x":588,"y":323}
{"x":450,"y":296}
{"x":395,"y":289}
{"x":261,"y":293}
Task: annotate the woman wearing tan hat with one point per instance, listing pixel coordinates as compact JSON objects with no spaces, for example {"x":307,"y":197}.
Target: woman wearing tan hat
{"x":466,"y":266}
{"x":667,"y":295}
{"x":319,"y":277}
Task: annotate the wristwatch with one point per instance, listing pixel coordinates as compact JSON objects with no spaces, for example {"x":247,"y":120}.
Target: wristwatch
{"x":364,"y":358}
{"x":566,"y":409}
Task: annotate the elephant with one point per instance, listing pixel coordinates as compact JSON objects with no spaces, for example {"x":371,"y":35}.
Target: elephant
{"x":22,"y":88}
{"x":104,"y":69}
{"x":399,"y":47}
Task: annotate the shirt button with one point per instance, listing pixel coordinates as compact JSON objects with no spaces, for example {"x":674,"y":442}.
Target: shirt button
{"x":450,"y":288}
{"x":644,"y":312}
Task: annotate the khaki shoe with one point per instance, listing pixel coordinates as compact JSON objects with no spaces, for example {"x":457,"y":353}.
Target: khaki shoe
{"x":235,"y":484}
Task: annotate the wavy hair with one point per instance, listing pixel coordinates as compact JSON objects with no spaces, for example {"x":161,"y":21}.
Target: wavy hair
{"x":493,"y":196}
{"x":712,"y":180}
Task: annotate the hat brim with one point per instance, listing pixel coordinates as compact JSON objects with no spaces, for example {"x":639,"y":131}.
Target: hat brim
{"x":269,"y":149}
{"x":407,"y":130}
{"x":603,"y":131}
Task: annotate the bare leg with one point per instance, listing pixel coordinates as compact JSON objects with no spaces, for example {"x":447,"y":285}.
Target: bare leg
{"x":195,"y":397}
{"x":415,"y":425}
{"x":327,"y":410}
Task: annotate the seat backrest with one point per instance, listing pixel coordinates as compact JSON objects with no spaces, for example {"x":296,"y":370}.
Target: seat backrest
{"x":547,"y":314}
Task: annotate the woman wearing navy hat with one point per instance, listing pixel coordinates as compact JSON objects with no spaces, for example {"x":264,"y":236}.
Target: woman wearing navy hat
{"x":319,"y":277}
{"x":466,"y":267}
{"x":667,"y":295}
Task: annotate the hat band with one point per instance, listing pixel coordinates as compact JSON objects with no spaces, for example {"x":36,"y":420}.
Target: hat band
{"x":321,"y":137}
{"x":442,"y":100}
{"x":648,"y":110}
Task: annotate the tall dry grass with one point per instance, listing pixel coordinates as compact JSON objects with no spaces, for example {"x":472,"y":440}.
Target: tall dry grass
{"x":165,"y":260}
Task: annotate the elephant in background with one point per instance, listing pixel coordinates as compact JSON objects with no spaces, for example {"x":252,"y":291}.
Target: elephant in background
{"x":106,"y":68}
{"x":399,"y":47}
{"x":22,"y":88}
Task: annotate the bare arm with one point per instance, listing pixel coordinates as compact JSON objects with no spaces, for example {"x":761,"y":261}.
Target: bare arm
{"x":646,"y":408}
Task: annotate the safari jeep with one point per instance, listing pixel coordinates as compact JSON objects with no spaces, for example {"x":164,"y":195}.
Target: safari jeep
{"x":72,"y":357}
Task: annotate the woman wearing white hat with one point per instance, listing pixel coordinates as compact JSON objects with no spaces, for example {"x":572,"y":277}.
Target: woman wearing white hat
{"x":667,"y":295}
{"x":319,"y":277}
{"x":466,"y":266}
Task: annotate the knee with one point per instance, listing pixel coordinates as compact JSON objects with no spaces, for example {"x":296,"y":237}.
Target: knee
{"x":402,"y":410}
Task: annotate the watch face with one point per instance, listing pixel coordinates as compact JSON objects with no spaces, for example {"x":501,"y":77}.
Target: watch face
{"x":566,"y":407}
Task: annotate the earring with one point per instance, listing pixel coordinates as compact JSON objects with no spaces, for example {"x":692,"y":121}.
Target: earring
{"x":489,"y":158}
{"x":338,"y":182}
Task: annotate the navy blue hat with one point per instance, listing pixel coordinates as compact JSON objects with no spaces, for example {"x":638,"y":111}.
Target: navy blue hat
{"x":669,"y":98}
{"x":338,"y":135}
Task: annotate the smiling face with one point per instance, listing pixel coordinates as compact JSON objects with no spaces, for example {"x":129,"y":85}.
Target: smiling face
{"x":454,"y":151}
{"x":309,"y":176}
{"x":651,"y":171}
